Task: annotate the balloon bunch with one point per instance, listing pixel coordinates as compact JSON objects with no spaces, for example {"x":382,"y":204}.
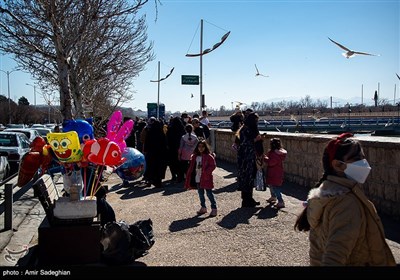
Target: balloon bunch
{"x":84,"y":159}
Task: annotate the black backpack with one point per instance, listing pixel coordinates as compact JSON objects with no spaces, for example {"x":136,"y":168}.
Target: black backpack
{"x":123,"y":243}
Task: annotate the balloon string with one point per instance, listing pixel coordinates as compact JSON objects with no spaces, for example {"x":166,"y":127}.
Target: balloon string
{"x":97,"y":187}
{"x":105,"y":179}
{"x":84,"y":183}
{"x":92,"y":188}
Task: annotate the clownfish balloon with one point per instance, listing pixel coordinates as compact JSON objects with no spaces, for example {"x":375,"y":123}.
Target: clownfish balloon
{"x":103,"y":152}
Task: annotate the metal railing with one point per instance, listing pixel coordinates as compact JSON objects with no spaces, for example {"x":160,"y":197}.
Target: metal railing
{"x":8,"y":196}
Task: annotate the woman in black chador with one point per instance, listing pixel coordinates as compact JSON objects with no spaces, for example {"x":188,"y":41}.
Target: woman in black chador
{"x":248,"y":135}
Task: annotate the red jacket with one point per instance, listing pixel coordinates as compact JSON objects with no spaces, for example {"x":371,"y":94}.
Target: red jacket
{"x":274,"y":162}
{"x":208,"y":166}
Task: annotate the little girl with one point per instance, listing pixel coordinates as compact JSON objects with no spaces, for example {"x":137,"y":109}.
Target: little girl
{"x":274,"y":161}
{"x":199,"y":176}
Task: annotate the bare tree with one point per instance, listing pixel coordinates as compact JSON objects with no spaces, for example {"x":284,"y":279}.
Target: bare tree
{"x":89,"y":51}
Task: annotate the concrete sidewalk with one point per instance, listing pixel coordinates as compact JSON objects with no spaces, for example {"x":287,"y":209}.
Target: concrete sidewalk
{"x":243,"y":237}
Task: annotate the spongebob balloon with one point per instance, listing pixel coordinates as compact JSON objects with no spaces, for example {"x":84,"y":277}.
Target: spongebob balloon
{"x":66,"y":146}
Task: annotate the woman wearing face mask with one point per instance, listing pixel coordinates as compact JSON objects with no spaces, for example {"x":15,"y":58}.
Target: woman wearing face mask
{"x":345,"y":229}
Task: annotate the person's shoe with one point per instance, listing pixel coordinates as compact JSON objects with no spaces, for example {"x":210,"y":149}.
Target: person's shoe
{"x":280,"y":205}
{"x":213,"y":213}
{"x":256,"y":203}
{"x":202,"y":211}
{"x":272,"y":199}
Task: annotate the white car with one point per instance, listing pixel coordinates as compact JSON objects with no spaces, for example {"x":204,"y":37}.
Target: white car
{"x":43,"y":132}
{"x":15,"y":145}
{"x":29,"y":132}
{"x":4,"y":167}
{"x":38,"y":125}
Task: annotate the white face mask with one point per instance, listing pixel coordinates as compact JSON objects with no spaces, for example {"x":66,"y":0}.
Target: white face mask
{"x":358,"y":170}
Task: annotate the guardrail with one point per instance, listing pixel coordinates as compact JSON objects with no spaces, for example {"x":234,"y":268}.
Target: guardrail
{"x":9,"y":196}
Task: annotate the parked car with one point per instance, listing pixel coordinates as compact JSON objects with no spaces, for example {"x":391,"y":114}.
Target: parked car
{"x":38,"y":125}
{"x":15,"y":125}
{"x":43,"y":132}
{"x":29,"y":132}
{"x":15,"y":145}
{"x":4,"y":167}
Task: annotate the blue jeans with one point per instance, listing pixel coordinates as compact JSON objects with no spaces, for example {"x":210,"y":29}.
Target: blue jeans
{"x":210,"y":196}
{"x":276,"y":192}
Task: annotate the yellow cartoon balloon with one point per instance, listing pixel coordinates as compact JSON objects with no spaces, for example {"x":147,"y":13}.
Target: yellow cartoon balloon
{"x":66,"y":146}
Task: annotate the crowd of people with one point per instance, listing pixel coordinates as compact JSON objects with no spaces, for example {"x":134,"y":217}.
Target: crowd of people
{"x":344,"y":227}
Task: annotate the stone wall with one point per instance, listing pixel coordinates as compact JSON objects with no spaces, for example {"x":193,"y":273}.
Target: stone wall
{"x":303,"y":164}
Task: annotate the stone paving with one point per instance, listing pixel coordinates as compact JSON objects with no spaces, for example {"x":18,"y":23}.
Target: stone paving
{"x":237,"y":237}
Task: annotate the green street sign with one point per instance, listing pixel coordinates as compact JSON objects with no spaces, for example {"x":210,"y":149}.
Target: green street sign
{"x":190,"y":80}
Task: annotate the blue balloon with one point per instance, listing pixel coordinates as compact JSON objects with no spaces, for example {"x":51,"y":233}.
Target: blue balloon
{"x":134,"y":166}
{"x":82,"y":127}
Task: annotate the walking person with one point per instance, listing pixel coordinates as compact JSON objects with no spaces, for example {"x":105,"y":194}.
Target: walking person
{"x":187,"y":145}
{"x":199,"y":176}
{"x":198,"y":128}
{"x":174,"y":134}
{"x":237,"y":120}
{"x":345,"y":229}
{"x":155,"y":152}
{"x":274,"y":178}
{"x":248,"y":135}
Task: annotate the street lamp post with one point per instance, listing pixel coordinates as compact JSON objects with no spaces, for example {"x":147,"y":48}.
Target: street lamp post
{"x":201,"y":53}
{"x":8,"y":92}
{"x":34,"y":93}
{"x":158,"y":91}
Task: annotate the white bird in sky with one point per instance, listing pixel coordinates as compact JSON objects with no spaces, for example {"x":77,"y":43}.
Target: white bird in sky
{"x":258,"y":73}
{"x":349,"y":53}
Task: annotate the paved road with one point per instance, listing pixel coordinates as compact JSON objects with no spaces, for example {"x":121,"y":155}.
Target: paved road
{"x":237,"y":237}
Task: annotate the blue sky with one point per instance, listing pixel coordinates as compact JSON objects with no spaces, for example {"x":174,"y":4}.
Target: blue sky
{"x":288,"y":40}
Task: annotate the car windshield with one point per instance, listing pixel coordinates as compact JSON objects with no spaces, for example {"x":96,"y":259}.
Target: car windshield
{"x":43,"y":131}
{"x":8,"y":140}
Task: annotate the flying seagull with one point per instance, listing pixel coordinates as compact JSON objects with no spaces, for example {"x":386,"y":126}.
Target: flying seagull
{"x":349,"y":53}
{"x":258,"y":73}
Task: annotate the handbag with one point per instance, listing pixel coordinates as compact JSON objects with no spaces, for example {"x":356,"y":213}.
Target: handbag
{"x":260,"y":181}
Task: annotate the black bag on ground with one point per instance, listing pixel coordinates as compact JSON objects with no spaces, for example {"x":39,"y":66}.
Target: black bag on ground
{"x":142,"y":237}
{"x":123,"y":243}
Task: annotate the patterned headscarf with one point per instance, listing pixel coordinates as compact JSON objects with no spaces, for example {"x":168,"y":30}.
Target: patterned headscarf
{"x":333,"y":145}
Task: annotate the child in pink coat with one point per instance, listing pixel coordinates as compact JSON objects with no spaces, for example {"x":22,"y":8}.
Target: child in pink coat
{"x":199,"y":176}
{"x":274,"y":177}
